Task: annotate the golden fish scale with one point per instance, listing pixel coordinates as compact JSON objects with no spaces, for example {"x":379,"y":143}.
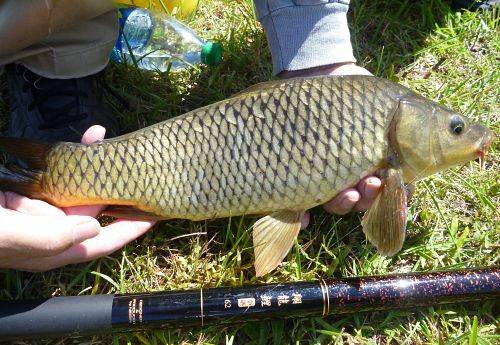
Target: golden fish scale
{"x":293,"y":145}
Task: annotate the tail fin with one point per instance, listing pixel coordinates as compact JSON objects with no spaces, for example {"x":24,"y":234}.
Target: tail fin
{"x":21,"y":181}
{"x":31,"y":151}
{"x":24,"y":181}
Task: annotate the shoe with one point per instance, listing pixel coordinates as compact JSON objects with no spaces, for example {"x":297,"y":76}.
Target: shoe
{"x":474,"y":5}
{"x":55,"y":109}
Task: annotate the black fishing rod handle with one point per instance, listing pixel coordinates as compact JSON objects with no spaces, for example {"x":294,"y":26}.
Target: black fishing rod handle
{"x":219,"y":305}
{"x":55,"y":317}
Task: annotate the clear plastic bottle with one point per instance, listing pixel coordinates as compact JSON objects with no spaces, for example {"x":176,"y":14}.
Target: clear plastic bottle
{"x":157,"y":40}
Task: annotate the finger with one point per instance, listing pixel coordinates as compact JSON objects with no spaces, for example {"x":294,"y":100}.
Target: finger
{"x":93,"y":134}
{"x":29,"y":206}
{"x":368,"y":188}
{"x":37,"y":236}
{"x":91,"y":210}
{"x":304,"y":222}
{"x":343,"y":202}
{"x":111,"y":238}
{"x":2,"y":200}
{"x":410,"y":190}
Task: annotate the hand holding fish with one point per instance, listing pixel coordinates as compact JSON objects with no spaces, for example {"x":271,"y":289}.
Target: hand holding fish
{"x":342,"y":68}
{"x":36,"y":236}
{"x":362,"y":196}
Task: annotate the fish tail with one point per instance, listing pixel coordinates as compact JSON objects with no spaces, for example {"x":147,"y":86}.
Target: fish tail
{"x":25,"y":181}
{"x":21,"y":181}
{"x":30,"y":151}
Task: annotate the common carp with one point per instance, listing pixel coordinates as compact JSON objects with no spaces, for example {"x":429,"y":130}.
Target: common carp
{"x":276,"y":149}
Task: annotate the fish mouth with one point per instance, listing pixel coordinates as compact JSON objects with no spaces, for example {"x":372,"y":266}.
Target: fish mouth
{"x":482,"y":151}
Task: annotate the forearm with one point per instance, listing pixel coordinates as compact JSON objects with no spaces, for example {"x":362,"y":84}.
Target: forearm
{"x":304,"y":34}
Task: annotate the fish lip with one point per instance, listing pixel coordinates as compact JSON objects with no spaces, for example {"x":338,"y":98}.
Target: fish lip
{"x":482,"y":151}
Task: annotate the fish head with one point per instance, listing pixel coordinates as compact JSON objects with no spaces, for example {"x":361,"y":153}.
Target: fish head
{"x":428,"y":138}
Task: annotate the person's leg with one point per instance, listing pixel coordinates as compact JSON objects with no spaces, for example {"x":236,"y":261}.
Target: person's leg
{"x":58,"y":39}
{"x":53,"y":64}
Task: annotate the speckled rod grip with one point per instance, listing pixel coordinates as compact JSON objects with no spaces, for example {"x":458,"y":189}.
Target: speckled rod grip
{"x":198,"y":307}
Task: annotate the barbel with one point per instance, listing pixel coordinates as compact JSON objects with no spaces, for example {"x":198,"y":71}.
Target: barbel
{"x":98,"y":314}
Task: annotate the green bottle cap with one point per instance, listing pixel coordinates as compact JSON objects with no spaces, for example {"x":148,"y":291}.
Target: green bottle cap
{"x":211,"y":53}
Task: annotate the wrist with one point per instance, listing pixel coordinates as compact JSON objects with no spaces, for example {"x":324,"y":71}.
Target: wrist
{"x":341,"y":68}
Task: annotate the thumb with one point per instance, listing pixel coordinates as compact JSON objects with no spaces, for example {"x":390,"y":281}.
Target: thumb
{"x":304,"y":222}
{"x":46,"y":236}
{"x":93,"y":134}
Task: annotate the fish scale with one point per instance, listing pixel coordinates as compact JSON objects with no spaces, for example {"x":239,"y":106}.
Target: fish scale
{"x":291,"y":146}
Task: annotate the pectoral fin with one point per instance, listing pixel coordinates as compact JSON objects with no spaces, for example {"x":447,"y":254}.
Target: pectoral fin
{"x":385,"y":222}
{"x":273,"y":236}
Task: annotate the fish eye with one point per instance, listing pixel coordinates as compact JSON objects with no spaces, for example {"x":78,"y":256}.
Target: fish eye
{"x":457,"y":125}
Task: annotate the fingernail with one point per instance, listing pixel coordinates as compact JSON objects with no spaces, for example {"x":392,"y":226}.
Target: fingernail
{"x":85,"y":230}
{"x":371,"y":188}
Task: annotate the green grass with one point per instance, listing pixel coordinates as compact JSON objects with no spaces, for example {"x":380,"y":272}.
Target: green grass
{"x":451,"y":57}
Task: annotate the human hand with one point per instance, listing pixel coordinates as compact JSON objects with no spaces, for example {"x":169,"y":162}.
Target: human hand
{"x":345,"y":68}
{"x":36,"y":236}
{"x":360,"y":197}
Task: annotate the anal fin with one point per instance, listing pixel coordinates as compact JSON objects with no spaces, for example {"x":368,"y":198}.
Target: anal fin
{"x":129,"y":212}
{"x":273,"y":236}
{"x":385,"y":222}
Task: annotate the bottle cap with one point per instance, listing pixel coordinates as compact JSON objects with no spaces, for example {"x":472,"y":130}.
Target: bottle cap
{"x":211,"y":53}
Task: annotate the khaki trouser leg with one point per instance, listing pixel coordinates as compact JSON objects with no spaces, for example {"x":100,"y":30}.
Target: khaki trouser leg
{"x":58,"y":38}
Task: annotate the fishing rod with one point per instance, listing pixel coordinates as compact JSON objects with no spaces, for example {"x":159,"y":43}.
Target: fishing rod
{"x":98,"y":314}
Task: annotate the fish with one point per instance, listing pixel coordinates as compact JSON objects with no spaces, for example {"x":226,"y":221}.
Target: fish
{"x":276,"y":150}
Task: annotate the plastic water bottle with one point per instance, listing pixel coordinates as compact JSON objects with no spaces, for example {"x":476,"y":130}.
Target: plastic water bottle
{"x":154,"y":41}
